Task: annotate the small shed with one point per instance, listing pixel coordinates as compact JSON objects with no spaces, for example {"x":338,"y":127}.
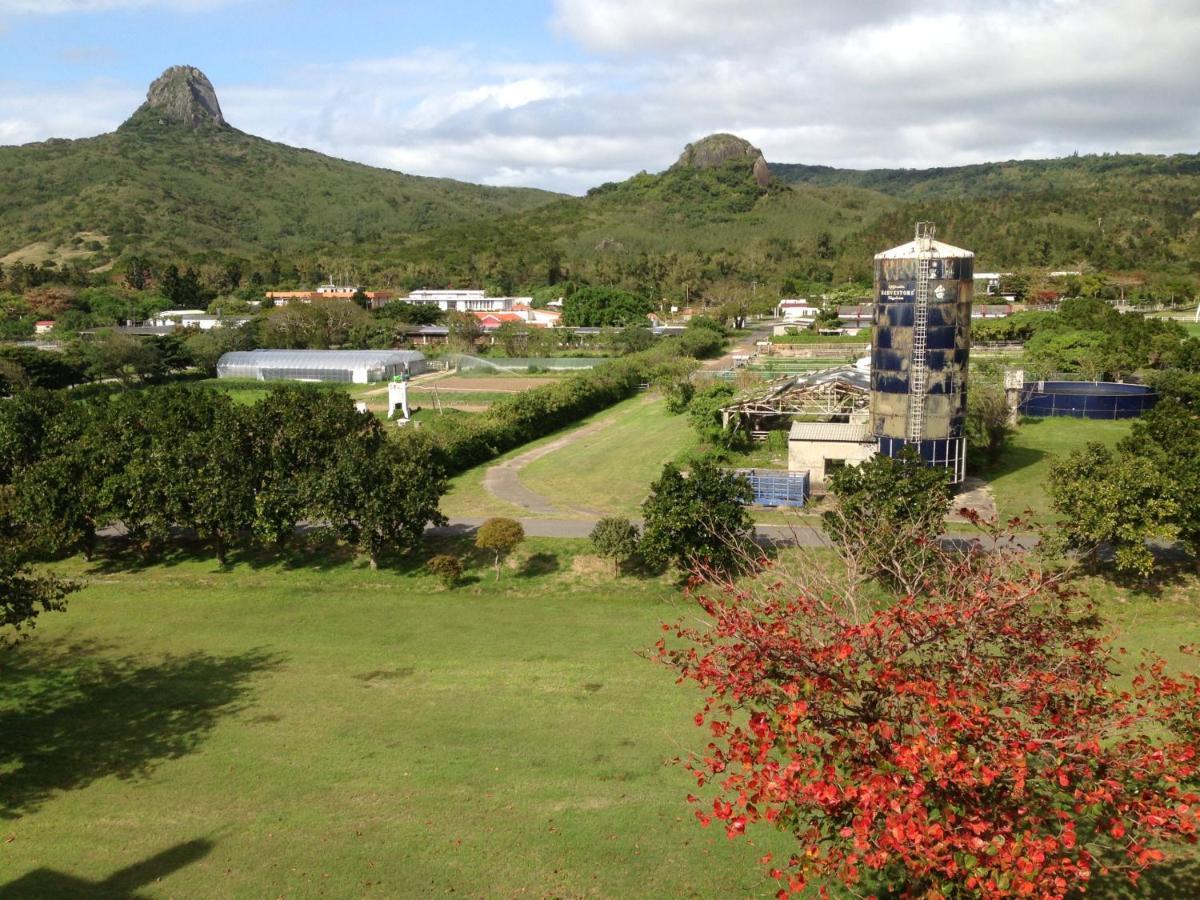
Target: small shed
{"x":820,"y":448}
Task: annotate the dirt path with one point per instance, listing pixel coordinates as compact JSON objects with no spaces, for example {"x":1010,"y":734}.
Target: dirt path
{"x":976,"y":494}
{"x":503,"y":480}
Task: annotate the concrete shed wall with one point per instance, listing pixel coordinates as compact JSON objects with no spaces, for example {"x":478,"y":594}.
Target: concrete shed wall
{"x":810,"y":456}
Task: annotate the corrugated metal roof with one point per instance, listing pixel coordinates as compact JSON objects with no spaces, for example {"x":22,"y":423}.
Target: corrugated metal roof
{"x":849,"y":432}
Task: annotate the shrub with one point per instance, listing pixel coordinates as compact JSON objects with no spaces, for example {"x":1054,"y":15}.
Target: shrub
{"x":887,"y":516}
{"x":615,"y":538}
{"x":447,"y":567}
{"x":968,"y":740}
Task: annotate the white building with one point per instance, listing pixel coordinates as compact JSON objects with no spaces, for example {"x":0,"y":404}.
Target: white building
{"x":821,"y":448}
{"x":797,"y":311}
{"x":465,"y":301}
{"x":355,"y":366}
{"x":193,"y":318}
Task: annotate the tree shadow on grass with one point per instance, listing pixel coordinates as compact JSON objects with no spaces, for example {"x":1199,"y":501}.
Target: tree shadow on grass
{"x":1011,"y":459}
{"x":1174,"y":878}
{"x":306,"y":550}
{"x":538,"y":564}
{"x":72,"y":714}
{"x":123,"y":884}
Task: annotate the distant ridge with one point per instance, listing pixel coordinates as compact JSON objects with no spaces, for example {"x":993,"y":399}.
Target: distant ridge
{"x":177,"y":180}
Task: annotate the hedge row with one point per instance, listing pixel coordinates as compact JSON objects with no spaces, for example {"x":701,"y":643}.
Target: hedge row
{"x":466,"y":441}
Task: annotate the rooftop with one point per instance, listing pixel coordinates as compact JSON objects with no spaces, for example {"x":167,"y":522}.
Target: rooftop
{"x":847,"y":432}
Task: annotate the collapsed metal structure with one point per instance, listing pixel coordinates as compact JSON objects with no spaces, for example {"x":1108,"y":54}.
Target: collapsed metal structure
{"x":829,"y":395}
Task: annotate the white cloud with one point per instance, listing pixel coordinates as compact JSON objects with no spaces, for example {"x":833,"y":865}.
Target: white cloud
{"x":885,"y":84}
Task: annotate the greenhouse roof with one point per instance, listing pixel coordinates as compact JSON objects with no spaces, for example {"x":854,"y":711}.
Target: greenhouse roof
{"x":320,"y":359}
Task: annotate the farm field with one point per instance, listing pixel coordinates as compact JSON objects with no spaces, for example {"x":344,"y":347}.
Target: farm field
{"x":329,"y":731}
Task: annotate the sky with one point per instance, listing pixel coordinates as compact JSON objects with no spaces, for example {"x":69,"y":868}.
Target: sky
{"x":569,"y":94}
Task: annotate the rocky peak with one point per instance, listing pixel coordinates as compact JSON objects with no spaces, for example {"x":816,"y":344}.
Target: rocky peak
{"x":183,"y":94}
{"x":717,"y":149}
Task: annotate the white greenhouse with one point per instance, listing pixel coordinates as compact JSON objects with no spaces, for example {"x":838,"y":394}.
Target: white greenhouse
{"x":356,"y":366}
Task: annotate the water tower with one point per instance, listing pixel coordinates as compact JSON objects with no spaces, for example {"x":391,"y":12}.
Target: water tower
{"x":922,"y":338}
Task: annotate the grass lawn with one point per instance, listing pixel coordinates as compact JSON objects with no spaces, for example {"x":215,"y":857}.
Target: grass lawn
{"x":608,"y":471}
{"x":1019,"y":478}
{"x":330,"y":731}
{"x":611,"y":469}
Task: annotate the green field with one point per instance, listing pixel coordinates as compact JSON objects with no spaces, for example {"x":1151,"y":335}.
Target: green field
{"x":1019,"y":479}
{"x":329,"y":731}
{"x":332,"y":731}
{"x":608,"y":472}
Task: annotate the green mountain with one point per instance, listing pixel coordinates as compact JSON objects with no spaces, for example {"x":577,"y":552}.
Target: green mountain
{"x":176,"y":179}
{"x":722,"y":216}
{"x":1114,"y":212}
{"x":176,"y":182}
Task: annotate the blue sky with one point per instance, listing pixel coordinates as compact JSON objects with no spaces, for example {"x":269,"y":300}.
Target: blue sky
{"x":566,"y":94}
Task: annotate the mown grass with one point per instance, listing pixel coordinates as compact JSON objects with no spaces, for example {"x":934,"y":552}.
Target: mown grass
{"x":611,"y":470}
{"x":607,"y":472}
{"x":1019,"y":478}
{"x":324,"y":730}
{"x":330,"y":731}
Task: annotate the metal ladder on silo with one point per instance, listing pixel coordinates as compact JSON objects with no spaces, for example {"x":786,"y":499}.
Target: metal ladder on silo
{"x":920,"y":334}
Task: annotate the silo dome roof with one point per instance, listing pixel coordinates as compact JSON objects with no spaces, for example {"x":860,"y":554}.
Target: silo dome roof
{"x":912,"y":248}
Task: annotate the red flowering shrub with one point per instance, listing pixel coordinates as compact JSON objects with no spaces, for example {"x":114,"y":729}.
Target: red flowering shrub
{"x":970,"y":740}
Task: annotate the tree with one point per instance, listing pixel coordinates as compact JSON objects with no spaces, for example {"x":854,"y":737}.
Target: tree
{"x":137,"y":273}
{"x":673,"y":378}
{"x":464,"y":331}
{"x":987,"y":426}
{"x":1168,"y":436}
{"x":499,"y":536}
{"x":604,"y":307}
{"x":969,"y":739}
{"x":292,"y":430}
{"x":1117,"y":499}
{"x":886,"y":516}
{"x":24,"y":595}
{"x":705,"y":412}
{"x":379,"y":495}
{"x":215,"y":473}
{"x":615,"y":538}
{"x":697,"y":520}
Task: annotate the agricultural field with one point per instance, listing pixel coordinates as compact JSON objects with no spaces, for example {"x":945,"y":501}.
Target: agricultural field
{"x":319,"y":729}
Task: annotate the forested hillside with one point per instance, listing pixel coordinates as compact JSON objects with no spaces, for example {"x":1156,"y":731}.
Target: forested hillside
{"x":176,"y":185}
{"x":165,"y":190}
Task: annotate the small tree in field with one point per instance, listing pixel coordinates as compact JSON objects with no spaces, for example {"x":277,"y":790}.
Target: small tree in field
{"x":447,"y":567}
{"x":1118,"y":499}
{"x":697,"y":518}
{"x":886,"y":517}
{"x":500,"y":537}
{"x":615,"y":538}
{"x":966,"y":740}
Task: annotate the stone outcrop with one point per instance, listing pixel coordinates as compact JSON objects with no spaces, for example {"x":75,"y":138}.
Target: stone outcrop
{"x":183,"y":94}
{"x":717,"y":149}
